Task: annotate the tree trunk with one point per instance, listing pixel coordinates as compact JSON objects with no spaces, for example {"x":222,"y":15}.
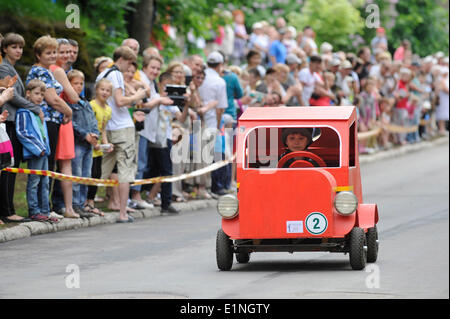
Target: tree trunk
{"x":142,"y":22}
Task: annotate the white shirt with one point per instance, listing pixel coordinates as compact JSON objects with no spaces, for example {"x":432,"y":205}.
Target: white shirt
{"x":120,"y":117}
{"x":308,"y":81}
{"x":213,"y":88}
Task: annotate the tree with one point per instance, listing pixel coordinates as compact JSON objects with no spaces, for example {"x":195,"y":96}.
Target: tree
{"x":332,"y":20}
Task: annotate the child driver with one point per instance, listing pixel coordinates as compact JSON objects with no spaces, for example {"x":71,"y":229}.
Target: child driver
{"x":296,"y":139}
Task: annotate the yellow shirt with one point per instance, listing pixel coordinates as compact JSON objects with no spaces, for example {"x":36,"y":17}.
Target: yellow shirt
{"x":103,"y":115}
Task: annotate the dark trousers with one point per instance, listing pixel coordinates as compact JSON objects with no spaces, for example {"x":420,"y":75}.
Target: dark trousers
{"x":96,"y":172}
{"x":57,"y":195}
{"x":220,"y":178}
{"x":8,"y":180}
{"x":161,"y":165}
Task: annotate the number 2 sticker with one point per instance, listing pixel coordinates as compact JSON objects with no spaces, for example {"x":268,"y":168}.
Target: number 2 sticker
{"x":316,"y":223}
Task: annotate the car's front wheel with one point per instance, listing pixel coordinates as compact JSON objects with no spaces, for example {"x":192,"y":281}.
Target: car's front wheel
{"x":224,"y":251}
{"x":357,"y":248}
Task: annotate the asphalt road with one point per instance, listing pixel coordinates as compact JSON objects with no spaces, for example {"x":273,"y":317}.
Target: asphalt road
{"x":174,"y":256}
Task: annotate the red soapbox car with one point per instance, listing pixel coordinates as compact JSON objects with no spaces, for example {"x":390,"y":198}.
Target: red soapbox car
{"x":302,"y":207}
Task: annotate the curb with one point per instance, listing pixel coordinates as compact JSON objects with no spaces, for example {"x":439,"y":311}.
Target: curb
{"x":29,"y":229}
{"x":33,"y":228}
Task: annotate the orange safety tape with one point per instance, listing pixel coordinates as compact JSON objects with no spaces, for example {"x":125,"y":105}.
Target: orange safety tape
{"x":63,"y":177}
{"x":112,"y":183}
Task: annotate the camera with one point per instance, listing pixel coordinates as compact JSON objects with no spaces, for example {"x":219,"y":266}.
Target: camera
{"x":175,"y":93}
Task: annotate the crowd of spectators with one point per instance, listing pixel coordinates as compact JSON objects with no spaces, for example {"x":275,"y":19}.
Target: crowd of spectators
{"x":126,"y":124}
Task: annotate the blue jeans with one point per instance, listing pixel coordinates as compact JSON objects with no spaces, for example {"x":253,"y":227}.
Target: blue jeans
{"x":37,"y":188}
{"x":81,"y":166}
{"x":143,"y":167}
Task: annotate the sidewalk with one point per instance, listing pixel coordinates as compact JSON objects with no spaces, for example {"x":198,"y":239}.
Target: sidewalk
{"x":28,"y":229}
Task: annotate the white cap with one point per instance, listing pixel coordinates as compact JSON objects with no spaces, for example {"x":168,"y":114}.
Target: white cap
{"x":335,"y":62}
{"x":257,"y":25}
{"x":214,"y":57}
{"x":346,"y":65}
{"x":326,"y":47}
{"x":292,"y":58}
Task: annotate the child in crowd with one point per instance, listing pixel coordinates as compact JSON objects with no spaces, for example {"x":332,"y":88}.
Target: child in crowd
{"x":102,"y":111}
{"x":385,"y":105}
{"x":33,"y":135}
{"x":86,"y":138}
{"x":296,"y":139}
{"x":414,"y":112}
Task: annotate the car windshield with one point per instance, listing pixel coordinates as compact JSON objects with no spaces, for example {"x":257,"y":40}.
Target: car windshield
{"x":292,"y":147}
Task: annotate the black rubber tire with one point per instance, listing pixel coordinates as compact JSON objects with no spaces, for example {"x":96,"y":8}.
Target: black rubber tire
{"x":224,"y":251}
{"x":243,"y":258}
{"x":372,"y":244}
{"x":357,"y":248}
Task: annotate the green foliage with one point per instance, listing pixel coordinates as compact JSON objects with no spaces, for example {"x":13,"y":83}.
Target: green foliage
{"x":424,"y":23}
{"x":332,"y":20}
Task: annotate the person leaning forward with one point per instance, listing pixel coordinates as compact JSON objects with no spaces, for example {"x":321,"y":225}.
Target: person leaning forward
{"x":120,"y":129}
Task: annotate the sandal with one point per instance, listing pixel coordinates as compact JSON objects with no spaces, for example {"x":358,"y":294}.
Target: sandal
{"x":178,"y":199}
{"x":91,"y":209}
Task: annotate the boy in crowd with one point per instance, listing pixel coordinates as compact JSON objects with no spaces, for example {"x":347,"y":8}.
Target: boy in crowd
{"x":86,"y":138}
{"x":33,"y":135}
{"x":120,"y":128}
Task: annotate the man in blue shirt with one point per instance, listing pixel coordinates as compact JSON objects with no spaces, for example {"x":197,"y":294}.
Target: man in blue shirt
{"x":277,"y":50}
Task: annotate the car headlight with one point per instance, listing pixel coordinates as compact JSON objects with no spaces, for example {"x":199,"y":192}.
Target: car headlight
{"x":228,"y":206}
{"x":345,"y":203}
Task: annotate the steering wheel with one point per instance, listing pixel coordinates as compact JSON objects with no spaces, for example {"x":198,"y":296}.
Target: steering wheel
{"x":301,"y":163}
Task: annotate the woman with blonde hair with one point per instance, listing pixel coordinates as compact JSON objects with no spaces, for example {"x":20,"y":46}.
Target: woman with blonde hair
{"x":56,"y":110}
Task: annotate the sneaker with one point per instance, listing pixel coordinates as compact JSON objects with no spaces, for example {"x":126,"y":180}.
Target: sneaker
{"x":142,"y":204}
{"x":55,"y":215}
{"x":132,"y":204}
{"x":170,"y":210}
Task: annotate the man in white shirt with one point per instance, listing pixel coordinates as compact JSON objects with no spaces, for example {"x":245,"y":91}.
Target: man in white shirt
{"x":308,"y":77}
{"x":213,"y":93}
{"x":120,"y":129}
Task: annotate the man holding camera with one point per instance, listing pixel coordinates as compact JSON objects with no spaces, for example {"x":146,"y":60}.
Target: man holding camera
{"x":155,"y":138}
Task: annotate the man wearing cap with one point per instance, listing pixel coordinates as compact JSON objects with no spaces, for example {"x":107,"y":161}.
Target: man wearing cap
{"x":213,"y":93}
{"x":344,"y":83}
{"x":294,"y":63}
{"x":259,"y":41}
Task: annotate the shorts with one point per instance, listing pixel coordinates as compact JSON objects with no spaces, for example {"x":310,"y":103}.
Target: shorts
{"x":124,"y":155}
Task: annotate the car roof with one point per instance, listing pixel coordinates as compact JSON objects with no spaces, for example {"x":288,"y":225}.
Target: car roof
{"x":298,"y":113}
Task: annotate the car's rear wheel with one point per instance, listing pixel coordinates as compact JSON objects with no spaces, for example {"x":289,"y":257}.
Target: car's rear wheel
{"x":357,"y":248}
{"x":372,"y":244}
{"x":224,"y":251}
{"x":243,"y":258}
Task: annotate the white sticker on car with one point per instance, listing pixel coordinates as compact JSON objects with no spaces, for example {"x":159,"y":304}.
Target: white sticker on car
{"x":294,"y":227}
